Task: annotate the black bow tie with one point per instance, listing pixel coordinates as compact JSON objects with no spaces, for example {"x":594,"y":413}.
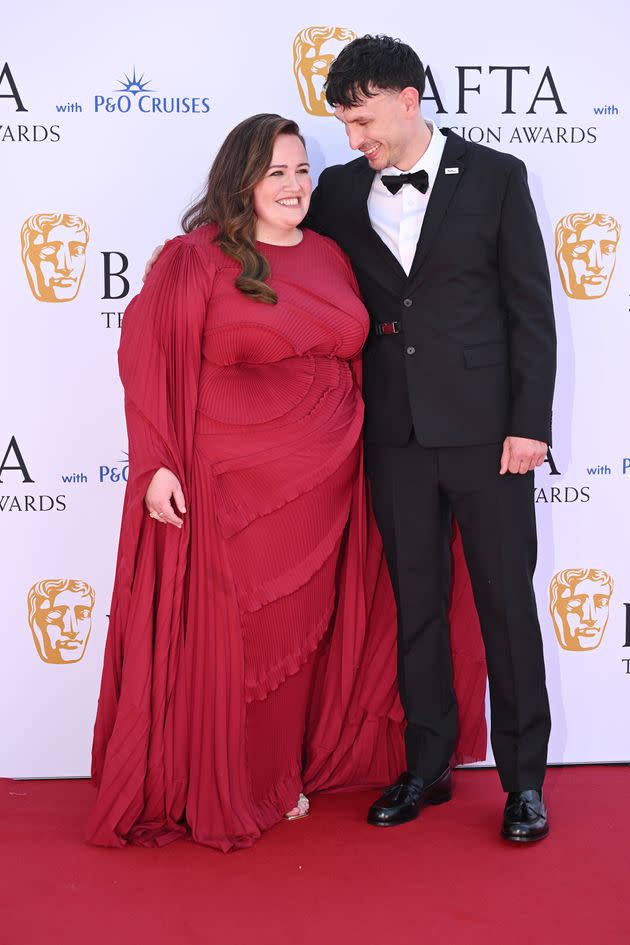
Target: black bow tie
{"x":419,"y":180}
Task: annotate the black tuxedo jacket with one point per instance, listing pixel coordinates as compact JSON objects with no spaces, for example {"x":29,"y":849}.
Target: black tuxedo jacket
{"x":475,"y":358}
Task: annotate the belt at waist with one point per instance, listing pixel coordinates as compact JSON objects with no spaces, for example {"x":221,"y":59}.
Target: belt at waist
{"x":387,"y":328}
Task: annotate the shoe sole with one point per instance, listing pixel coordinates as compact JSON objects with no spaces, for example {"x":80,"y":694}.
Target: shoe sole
{"x":540,"y":836}
{"x":407,"y":820}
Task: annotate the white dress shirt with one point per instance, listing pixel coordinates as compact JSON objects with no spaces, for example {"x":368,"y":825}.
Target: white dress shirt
{"x":398,"y":218}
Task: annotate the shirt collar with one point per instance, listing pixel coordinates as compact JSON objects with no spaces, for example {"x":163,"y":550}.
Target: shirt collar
{"x":429,"y":162}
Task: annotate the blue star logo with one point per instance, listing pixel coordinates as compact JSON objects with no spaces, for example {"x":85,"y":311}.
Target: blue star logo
{"x":135,"y":84}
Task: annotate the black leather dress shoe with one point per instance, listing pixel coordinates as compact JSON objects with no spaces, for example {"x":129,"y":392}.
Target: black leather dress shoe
{"x":404,"y":800}
{"x":525,"y":817}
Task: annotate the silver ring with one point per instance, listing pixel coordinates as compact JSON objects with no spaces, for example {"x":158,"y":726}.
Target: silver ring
{"x":155,"y":515}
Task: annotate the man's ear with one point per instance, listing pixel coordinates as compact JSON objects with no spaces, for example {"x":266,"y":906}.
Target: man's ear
{"x":411,"y":100}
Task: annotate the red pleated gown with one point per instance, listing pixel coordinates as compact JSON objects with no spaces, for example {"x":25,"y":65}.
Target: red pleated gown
{"x":252,"y":654}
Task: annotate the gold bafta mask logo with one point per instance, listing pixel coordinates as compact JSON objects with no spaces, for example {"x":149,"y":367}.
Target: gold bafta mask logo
{"x":53,"y":253}
{"x":586,"y":253}
{"x":314,"y":48}
{"x":60,"y":618}
{"x":579,"y":600}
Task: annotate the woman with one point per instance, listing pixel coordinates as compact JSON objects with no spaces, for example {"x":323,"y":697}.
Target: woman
{"x":251,"y":652}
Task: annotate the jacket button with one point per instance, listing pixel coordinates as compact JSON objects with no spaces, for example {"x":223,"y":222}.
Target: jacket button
{"x":411,"y":350}
{"x":407,"y":303}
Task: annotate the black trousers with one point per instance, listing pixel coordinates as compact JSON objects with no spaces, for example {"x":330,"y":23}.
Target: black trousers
{"x":415,"y":491}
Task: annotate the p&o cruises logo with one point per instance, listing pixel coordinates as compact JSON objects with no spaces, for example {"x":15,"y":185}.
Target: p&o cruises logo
{"x":137,"y":95}
{"x":117,"y":472}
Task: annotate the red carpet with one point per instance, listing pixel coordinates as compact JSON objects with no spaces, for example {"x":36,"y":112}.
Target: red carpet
{"x":448,"y":878}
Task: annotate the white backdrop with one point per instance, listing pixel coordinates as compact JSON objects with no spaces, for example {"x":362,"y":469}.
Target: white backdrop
{"x":128,"y":170}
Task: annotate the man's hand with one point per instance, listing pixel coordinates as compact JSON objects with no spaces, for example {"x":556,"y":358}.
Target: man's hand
{"x":521,"y":455}
{"x":151,"y":263}
{"x":163,"y":488}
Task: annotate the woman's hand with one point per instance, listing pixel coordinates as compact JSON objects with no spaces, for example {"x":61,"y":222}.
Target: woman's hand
{"x":164,"y":489}
{"x":151,"y":263}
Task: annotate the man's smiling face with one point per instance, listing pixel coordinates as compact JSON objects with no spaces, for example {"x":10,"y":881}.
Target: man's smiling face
{"x":379,"y":127}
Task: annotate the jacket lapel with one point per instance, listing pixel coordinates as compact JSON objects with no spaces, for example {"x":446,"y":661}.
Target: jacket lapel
{"x":445,"y":185}
{"x":373,"y":243}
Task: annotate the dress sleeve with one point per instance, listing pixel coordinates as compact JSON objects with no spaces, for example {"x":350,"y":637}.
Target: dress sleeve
{"x":139,"y":748}
{"x":160,"y":360}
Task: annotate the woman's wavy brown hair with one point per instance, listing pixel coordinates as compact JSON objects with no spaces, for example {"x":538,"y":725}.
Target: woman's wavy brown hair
{"x":227,"y":201}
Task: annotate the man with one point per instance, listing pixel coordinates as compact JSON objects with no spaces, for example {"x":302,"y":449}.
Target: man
{"x":579,"y":600}
{"x":586,"y":253}
{"x":458,"y":382}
